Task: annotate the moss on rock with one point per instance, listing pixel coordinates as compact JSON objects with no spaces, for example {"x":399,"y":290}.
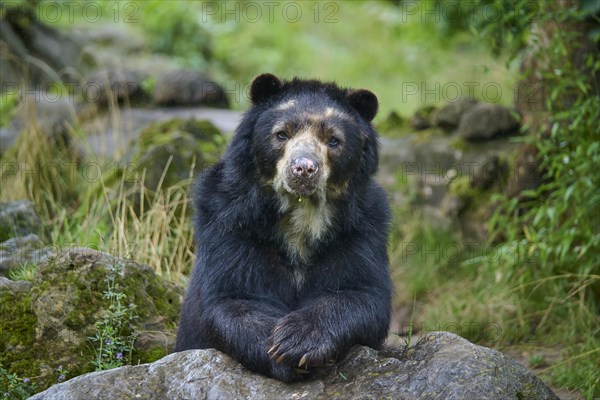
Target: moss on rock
{"x":49,"y":324}
{"x":186,"y":143}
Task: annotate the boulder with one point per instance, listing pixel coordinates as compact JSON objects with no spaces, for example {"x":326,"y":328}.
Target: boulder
{"x":188,"y":88}
{"x":181,"y":143}
{"x":445,"y":177}
{"x":486,"y":121}
{"x":119,"y":85}
{"x":47,"y":323}
{"x":448,"y":117}
{"x":440,"y":366}
{"x":18,"y":218}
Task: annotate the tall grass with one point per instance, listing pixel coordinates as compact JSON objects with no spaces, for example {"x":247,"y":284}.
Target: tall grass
{"x":159,"y":235}
{"x":120,"y":216}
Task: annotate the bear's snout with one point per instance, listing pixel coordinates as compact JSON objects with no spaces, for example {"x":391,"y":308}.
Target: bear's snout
{"x":304,"y":168}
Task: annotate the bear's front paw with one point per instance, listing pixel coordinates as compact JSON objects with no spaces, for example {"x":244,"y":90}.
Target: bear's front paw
{"x":298,"y":342}
{"x":287,"y":373}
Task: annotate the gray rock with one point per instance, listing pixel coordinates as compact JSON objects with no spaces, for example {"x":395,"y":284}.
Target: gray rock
{"x":21,"y":251}
{"x":440,"y":366}
{"x":18,"y":218}
{"x":448,"y":117}
{"x":188,"y":88}
{"x":13,"y":67}
{"x":118,"y":85}
{"x":486,"y":121}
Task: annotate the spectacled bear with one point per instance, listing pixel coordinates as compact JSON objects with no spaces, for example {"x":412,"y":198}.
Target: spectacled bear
{"x":291,"y":232}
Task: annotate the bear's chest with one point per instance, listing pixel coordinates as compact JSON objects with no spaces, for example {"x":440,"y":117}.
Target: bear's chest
{"x":301,"y":229}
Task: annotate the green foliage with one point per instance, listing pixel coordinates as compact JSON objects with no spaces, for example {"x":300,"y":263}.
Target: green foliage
{"x":115,"y":332}
{"x":537,"y":360}
{"x":108,"y":205}
{"x":14,"y":388}
{"x":174,"y":28}
{"x":559,"y":221}
{"x":504,"y":24}
{"x":555,"y":228}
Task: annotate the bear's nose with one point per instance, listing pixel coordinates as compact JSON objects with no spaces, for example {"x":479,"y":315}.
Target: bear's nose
{"x":304,"y":168}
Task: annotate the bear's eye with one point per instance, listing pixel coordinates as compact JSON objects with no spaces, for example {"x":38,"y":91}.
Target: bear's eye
{"x":333,"y":142}
{"x":281,"y":136}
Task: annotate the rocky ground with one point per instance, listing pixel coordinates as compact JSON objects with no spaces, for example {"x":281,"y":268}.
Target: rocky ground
{"x":440,"y":365}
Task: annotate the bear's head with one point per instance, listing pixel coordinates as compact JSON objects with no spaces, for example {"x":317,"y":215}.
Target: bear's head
{"x":311,"y":139}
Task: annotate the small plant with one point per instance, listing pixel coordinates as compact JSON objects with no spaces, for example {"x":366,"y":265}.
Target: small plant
{"x":115,"y":333}
{"x":61,"y":374}
{"x":409,"y":334}
{"x":13,"y":387}
{"x":24,"y":272}
{"x":537,"y":360}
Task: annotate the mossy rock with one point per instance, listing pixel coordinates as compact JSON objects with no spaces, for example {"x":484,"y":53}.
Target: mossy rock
{"x":17,"y":327}
{"x":176,"y":149}
{"x":50,"y":323}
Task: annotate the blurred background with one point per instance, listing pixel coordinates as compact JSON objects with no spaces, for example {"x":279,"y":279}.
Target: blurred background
{"x":490,"y":152}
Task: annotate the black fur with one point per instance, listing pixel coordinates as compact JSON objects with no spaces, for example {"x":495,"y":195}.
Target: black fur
{"x":243,"y":298}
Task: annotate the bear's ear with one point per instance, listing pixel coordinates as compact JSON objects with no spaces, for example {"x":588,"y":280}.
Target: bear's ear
{"x":264,"y":87}
{"x":365,"y":102}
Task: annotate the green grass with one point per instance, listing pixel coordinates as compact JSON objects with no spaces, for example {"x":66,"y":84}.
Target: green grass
{"x":24,"y":272}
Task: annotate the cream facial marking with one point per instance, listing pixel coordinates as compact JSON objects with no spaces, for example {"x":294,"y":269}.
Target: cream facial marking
{"x":332,"y":112}
{"x":287,"y":105}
